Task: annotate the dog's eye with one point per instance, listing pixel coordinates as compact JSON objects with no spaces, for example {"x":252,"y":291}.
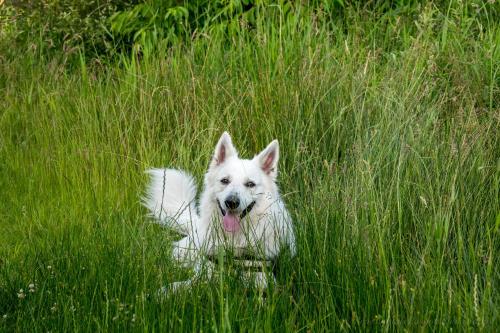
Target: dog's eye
{"x":225,"y":181}
{"x":250,"y":184}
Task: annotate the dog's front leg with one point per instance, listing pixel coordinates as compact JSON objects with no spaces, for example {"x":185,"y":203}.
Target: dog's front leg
{"x":185,"y":251}
{"x":203,"y":271}
{"x":259,"y":280}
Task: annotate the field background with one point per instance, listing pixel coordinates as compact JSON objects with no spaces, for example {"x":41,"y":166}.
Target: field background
{"x":388,"y":117}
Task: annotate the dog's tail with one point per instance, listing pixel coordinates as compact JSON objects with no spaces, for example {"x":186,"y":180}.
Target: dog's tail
{"x":170,"y":197}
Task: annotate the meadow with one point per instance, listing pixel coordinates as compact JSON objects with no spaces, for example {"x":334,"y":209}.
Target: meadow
{"x":390,"y":165}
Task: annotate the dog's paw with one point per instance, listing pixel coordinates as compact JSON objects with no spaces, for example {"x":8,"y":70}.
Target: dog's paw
{"x":162,"y":293}
{"x":179,"y":285}
{"x":173,"y":288}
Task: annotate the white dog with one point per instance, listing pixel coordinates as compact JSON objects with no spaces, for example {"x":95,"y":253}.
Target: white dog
{"x":240,"y":211}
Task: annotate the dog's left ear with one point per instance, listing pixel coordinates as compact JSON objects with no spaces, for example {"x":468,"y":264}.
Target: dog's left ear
{"x":268,"y":159}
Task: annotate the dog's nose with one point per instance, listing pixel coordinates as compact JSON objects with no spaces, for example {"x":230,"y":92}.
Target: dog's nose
{"x":232,"y":202}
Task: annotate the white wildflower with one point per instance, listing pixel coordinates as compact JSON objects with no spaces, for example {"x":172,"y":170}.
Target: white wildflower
{"x":21,"y":294}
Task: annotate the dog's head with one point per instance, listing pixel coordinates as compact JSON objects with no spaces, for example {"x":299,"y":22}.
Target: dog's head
{"x":240,"y":186}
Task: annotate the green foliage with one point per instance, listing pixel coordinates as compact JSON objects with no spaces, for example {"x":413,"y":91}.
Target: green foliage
{"x":150,"y":21}
{"x":108,"y":27}
{"x":174,"y":21}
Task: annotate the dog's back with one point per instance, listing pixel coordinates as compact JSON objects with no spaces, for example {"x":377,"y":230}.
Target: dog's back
{"x":170,"y":197}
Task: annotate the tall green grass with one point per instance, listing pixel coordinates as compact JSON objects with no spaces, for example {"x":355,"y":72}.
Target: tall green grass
{"x":390,"y":165}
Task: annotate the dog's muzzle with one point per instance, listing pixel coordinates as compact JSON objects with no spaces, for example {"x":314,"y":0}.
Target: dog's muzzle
{"x":243,"y":213}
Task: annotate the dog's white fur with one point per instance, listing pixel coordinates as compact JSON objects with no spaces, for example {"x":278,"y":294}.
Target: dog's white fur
{"x":263,"y":232}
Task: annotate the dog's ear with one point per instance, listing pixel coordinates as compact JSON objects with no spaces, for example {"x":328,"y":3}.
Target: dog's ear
{"x":268,"y":159}
{"x":223,"y":150}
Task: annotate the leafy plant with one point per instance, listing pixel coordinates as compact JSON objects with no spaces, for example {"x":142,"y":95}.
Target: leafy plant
{"x":152,"y":19}
{"x":172,"y":20}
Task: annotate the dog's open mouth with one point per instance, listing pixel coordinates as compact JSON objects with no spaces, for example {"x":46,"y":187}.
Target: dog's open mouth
{"x":231,"y":220}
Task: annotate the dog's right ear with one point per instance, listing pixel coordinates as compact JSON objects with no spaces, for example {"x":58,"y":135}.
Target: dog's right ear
{"x":223,"y":150}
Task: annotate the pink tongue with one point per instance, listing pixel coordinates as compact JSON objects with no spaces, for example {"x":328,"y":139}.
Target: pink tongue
{"x":231,"y":222}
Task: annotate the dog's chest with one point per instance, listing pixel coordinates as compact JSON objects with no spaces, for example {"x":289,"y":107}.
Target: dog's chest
{"x":259,"y":241}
